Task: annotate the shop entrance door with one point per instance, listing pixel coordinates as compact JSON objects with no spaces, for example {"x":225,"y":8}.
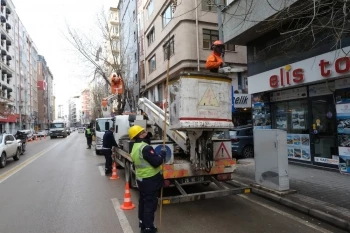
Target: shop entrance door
{"x":324,"y":129}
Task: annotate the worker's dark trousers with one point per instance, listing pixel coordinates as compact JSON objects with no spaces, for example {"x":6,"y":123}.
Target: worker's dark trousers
{"x":108,"y":157}
{"x":89,"y":141}
{"x":148,"y":201}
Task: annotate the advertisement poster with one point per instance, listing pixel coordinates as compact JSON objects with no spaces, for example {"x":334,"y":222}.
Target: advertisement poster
{"x":298,"y":119}
{"x":281,"y":119}
{"x":261,"y":111}
{"x":261,"y":115}
{"x":344,"y":159}
{"x":298,"y":146}
{"x":343,"y":128}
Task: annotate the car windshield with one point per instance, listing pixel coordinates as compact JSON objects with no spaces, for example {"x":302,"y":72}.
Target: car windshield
{"x":103,"y":124}
{"x":57,"y":125}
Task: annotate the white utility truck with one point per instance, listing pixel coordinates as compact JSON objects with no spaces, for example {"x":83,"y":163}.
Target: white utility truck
{"x":199,"y":104}
{"x":58,"y":128}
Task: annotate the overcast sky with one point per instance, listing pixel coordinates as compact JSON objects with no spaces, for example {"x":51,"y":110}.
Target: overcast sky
{"x":45,"y":20}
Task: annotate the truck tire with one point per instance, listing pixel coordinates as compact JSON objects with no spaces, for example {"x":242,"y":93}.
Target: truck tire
{"x":130,"y":176}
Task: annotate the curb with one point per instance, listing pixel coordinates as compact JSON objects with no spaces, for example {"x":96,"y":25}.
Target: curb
{"x":332,"y":220}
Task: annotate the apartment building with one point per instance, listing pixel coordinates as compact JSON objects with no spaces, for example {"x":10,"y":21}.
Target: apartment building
{"x":86,"y":106}
{"x":8,"y":105}
{"x":129,"y":32}
{"x":188,"y":31}
{"x":75,"y":111}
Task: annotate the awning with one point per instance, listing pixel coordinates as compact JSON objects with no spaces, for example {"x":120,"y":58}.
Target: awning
{"x":8,"y":26}
{"x":9,"y":75}
{"x":3,"y":19}
{"x":3,"y":36}
{"x":3,"y":52}
{"x":8,"y":57}
{"x":8,"y":11}
{"x":9,"y":89}
{"x":4,"y":87}
{"x":3,"y":71}
{"x":8,"y":42}
{"x":3,"y":3}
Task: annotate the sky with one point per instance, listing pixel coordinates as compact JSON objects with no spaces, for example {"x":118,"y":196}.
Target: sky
{"x":45,"y":22}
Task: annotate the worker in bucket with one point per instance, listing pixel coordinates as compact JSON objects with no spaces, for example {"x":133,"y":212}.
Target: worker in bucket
{"x":214,"y":61}
{"x":148,"y":165}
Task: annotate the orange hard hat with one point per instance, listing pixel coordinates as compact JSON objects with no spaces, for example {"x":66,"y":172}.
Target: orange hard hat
{"x":217,"y":43}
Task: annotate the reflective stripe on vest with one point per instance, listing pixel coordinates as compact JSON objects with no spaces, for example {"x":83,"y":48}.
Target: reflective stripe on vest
{"x":143,"y":168}
{"x":88,"y":131}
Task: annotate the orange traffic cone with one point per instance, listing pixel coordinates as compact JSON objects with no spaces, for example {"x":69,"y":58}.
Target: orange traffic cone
{"x":114,"y":172}
{"x":127,"y":205}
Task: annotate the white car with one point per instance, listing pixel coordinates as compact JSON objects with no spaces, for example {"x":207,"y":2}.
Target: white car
{"x":9,"y":147}
{"x":81,"y":130}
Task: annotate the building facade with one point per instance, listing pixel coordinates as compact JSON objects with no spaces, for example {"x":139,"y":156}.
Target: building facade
{"x":75,"y":111}
{"x":298,"y":85}
{"x":86,"y":106}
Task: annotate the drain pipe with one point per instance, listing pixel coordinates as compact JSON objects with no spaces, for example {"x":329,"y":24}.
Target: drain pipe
{"x":197,"y":33}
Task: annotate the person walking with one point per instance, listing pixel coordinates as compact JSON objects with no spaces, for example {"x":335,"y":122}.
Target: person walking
{"x":149,"y":177}
{"x":108,"y":143}
{"x":88,"y":135}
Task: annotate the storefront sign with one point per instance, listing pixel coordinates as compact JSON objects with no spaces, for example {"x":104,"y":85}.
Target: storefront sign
{"x":295,"y":93}
{"x":326,"y":160}
{"x":342,"y":83}
{"x":325,"y":66}
{"x":321,"y":89}
{"x":242,"y":101}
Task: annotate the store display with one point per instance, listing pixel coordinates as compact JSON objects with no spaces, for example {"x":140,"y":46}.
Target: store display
{"x":343,"y":121}
{"x":298,"y":119}
{"x":295,"y":93}
{"x":299,"y":146}
{"x":261,"y":115}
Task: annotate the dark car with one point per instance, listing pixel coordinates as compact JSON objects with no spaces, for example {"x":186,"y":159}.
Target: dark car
{"x":242,"y":142}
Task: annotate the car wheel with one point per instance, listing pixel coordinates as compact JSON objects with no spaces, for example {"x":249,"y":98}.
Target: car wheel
{"x":16,"y":157}
{"x":3,"y":160}
{"x":248,"y":152}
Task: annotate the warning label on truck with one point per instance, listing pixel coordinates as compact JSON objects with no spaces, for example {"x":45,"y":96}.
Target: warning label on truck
{"x":209,"y":98}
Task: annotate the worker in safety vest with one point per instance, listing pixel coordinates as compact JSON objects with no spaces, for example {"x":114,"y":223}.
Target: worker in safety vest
{"x":88,"y":135}
{"x":148,"y":175}
{"x":214,"y":61}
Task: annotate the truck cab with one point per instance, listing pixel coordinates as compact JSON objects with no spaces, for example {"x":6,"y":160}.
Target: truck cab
{"x":101,"y":126}
{"x":58,"y":129}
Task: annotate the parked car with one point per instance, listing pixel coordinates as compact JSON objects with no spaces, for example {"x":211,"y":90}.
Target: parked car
{"x":9,"y":148}
{"x":242,"y":141}
{"x":41,"y":133}
{"x":30,"y":134}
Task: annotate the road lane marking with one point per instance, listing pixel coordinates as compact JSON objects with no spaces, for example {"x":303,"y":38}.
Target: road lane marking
{"x":19,"y":167}
{"x":124,"y":223}
{"x":313,"y":226}
{"x":102,"y":170}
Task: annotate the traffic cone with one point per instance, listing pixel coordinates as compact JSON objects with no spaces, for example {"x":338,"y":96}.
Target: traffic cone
{"x":114,"y":172}
{"x":127,"y":205}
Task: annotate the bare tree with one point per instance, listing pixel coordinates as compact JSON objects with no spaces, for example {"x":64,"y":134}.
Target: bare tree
{"x":102,"y":53}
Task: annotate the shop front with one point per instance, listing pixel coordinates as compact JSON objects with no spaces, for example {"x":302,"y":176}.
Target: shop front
{"x":241,"y":109}
{"x":309,"y":99}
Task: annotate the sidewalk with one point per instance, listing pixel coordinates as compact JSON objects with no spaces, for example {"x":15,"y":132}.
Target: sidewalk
{"x":318,"y":191}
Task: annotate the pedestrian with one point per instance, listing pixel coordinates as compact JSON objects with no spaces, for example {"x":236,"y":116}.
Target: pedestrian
{"x":88,"y":135}
{"x":107,"y":146}
{"x":149,"y":176}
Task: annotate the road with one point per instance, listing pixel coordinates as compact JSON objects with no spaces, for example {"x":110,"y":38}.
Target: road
{"x":58,"y":186}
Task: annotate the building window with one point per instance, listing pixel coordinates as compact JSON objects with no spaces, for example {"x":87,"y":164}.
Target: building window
{"x":151,"y":37}
{"x":152,"y":64}
{"x":136,"y":78}
{"x":160,"y":92}
{"x":133,"y":15}
{"x":211,"y":5}
{"x":167,"y":15}
{"x":135,"y":57}
{"x":209,"y":36}
{"x":150,"y":8}
{"x":168,"y":46}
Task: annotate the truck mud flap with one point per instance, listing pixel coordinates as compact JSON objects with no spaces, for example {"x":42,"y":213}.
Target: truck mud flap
{"x":185,"y":197}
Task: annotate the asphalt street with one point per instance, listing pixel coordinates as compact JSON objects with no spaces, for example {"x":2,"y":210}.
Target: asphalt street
{"x":58,"y":186}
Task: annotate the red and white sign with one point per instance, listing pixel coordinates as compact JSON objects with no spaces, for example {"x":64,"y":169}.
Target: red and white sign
{"x":325,"y":66}
{"x":222,"y":152}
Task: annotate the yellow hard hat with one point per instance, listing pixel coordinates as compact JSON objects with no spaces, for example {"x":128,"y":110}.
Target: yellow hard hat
{"x":134,"y":131}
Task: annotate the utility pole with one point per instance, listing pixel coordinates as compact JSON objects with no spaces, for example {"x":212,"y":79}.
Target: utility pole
{"x":221,"y":34}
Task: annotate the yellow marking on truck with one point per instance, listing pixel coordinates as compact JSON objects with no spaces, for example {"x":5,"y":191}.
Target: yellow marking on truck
{"x":166,"y":202}
{"x":209,"y":99}
{"x":246,"y":190}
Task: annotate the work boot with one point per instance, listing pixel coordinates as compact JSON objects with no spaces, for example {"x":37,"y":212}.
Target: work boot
{"x":150,"y":230}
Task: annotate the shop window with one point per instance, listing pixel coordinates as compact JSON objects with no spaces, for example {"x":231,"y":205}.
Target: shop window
{"x":291,"y":116}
